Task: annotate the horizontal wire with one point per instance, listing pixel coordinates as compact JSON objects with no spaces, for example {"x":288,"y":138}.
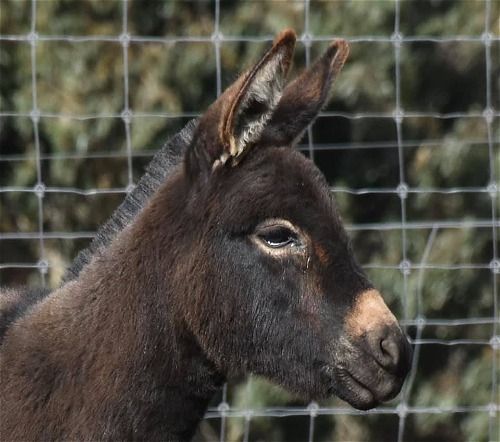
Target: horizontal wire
{"x":303,"y":411}
{"x":465,"y":224}
{"x":221,"y":38}
{"x":187,"y":114}
{"x":26,"y":156}
{"x":450,"y":267}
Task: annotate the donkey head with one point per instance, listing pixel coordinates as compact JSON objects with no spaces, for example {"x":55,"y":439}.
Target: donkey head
{"x":277,"y":291}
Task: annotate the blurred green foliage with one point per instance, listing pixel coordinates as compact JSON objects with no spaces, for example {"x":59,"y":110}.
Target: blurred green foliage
{"x":81,"y":93}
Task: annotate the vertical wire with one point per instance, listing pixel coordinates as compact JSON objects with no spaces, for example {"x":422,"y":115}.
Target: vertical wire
{"x":246,"y":426}
{"x":310,"y":147}
{"x":126,"y":113}
{"x":307,"y":39}
{"x":216,"y":41}
{"x":313,"y":412}
{"x":39,"y":188}
{"x":402,"y":189}
{"x":311,"y":429}
{"x":248,"y":412}
{"x":223,"y":409}
{"x":405,"y":394}
{"x":494,"y":189}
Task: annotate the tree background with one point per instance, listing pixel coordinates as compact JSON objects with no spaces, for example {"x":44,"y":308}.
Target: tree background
{"x":419,"y":193}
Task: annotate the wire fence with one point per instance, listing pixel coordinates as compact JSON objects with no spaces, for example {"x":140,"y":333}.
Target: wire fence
{"x":405,"y":226}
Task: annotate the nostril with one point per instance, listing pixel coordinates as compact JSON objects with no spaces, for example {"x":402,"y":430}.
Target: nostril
{"x":390,"y":351}
{"x":388,"y":347}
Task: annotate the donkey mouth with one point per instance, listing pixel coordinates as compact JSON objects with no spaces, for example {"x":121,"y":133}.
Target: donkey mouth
{"x":355,"y":391}
{"x":361,"y":393}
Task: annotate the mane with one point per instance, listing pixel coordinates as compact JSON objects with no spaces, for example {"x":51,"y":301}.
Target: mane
{"x":157,"y":171}
{"x":15,"y":303}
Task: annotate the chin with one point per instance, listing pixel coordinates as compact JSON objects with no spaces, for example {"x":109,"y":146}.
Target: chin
{"x":363,"y":394}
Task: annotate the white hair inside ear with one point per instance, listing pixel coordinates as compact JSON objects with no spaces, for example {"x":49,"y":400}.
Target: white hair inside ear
{"x":250,"y":103}
{"x":257,"y":106}
{"x":255,"y":109}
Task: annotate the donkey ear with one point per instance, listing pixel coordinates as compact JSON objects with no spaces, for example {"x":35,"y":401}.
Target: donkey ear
{"x":305,"y":97}
{"x":238,"y":118}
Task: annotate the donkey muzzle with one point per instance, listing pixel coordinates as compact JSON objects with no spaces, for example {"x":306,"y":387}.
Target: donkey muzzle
{"x":383,"y":355}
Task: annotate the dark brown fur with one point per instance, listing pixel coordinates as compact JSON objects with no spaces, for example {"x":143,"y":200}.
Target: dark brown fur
{"x":238,"y":263}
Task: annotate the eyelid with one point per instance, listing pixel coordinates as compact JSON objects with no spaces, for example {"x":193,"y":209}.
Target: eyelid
{"x":276,"y":223}
{"x":274,"y":228}
{"x":298,"y":243}
{"x":278,"y":236}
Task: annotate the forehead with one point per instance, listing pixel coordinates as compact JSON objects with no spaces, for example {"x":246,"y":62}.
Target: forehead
{"x":278,"y":182}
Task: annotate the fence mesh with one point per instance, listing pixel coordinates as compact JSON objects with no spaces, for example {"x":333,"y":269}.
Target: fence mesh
{"x":419,"y":251}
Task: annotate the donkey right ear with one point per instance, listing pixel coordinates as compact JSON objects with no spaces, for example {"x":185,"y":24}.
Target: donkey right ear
{"x":305,"y":97}
{"x":235,"y":122}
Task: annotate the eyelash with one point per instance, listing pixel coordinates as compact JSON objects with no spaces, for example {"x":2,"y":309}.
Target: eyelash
{"x":278,"y":237}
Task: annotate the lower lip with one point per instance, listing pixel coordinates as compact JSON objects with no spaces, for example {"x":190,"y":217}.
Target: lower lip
{"x":353,"y":385}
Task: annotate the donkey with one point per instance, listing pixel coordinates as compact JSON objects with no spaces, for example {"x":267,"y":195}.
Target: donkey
{"x":236,"y":263}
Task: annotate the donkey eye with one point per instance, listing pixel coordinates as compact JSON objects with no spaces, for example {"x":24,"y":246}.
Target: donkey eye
{"x":277,"y":237}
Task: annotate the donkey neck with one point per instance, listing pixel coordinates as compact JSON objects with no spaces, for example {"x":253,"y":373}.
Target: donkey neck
{"x":137,"y":279}
{"x":170,"y":365}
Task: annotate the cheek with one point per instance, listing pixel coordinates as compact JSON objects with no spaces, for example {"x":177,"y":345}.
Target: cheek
{"x":322,"y":301}
{"x":310,"y":301}
{"x":297,"y":288}
{"x":283,"y":295}
{"x":321,"y":255}
{"x":257,"y":292}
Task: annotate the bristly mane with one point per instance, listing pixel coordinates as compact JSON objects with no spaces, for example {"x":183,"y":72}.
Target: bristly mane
{"x":19,"y":301}
{"x":15,"y":303}
{"x":157,"y":171}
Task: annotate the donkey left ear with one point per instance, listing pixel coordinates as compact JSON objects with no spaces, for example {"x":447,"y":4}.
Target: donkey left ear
{"x":305,"y":97}
{"x":237,"y":119}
